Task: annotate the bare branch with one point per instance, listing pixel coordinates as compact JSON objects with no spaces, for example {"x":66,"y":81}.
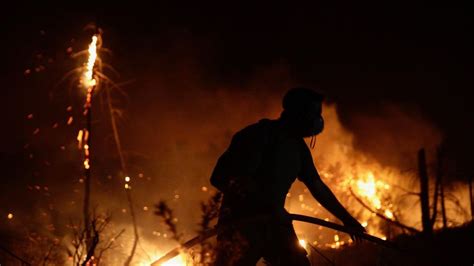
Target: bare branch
{"x":394,"y":222}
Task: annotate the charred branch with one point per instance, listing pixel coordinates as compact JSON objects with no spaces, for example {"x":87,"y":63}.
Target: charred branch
{"x":393,"y":222}
{"x":424,"y":193}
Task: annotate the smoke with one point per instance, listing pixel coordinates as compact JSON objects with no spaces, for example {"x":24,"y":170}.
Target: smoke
{"x":393,"y":133}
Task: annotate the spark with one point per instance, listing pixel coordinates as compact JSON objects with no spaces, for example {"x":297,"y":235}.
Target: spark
{"x":10,"y":216}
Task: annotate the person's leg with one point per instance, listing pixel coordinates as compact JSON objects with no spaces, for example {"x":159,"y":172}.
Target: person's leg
{"x":239,"y":247}
{"x":283,"y":248}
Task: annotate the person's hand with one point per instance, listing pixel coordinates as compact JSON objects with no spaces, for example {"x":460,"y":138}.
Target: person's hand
{"x":355,"y":227}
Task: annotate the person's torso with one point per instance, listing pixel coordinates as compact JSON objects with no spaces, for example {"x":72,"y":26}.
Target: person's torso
{"x":279,"y":167}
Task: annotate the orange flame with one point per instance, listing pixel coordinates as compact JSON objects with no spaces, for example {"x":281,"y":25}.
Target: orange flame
{"x":88,"y":78}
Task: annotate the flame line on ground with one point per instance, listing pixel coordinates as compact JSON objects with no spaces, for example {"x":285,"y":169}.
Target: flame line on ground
{"x":295,"y":217}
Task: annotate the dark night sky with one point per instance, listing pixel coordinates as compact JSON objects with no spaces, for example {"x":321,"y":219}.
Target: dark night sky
{"x":361,"y":58}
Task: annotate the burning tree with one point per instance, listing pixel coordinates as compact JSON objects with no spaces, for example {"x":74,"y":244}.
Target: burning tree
{"x":90,"y":80}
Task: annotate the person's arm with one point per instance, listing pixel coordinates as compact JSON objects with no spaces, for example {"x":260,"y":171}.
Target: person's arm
{"x":321,"y":192}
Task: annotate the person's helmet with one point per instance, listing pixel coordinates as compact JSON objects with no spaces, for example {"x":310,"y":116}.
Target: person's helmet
{"x":303,"y":106}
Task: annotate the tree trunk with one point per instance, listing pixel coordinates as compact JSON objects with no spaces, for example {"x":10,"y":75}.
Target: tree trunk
{"x":424,"y":194}
{"x":443,"y":206}
{"x":437,"y":187}
{"x":471,"y":198}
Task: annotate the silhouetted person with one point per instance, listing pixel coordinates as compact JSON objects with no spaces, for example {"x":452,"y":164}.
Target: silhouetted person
{"x":255,"y":174}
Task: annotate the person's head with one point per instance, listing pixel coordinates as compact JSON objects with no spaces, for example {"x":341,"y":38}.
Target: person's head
{"x":302,"y":109}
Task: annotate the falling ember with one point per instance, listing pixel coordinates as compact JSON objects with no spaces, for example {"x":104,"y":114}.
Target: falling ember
{"x":10,"y":216}
{"x":127,"y":179}
{"x":80,"y":135}
{"x":88,"y":79}
{"x":86,"y":164}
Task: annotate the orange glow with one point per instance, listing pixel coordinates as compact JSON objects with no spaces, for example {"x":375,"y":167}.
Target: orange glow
{"x":86,"y":164}
{"x":388,"y":214}
{"x":368,"y":188}
{"x":80,"y":136}
{"x":179,"y":260}
{"x":302,"y":243}
{"x":372,"y":190}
